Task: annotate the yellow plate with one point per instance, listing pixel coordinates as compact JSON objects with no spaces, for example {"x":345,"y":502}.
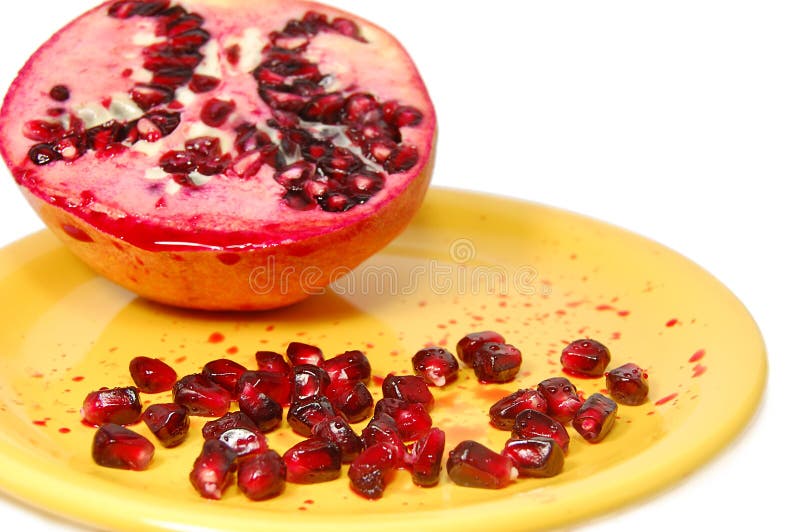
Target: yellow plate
{"x":468,"y":262}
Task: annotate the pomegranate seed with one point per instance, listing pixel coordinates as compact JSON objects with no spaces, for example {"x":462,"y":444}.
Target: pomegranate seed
{"x":405,"y":115}
{"x":300,"y":353}
{"x":276,"y":386}
{"x":182,"y":24}
{"x":307,"y":412}
{"x":152,"y":375}
{"x":425,"y":459}
{"x":129,"y":8}
{"x":627,"y":384}
{"x":201,"y":396}
{"x":349,"y":366}
{"x":213,"y":470}
{"x":530,"y":423}
{"x":70,"y":147}
{"x":262,"y":476}
{"x":273,"y":362}
{"x":309,"y":381}
{"x":412,"y":419}
{"x":586,"y":357}
{"x":232,"y":54}
{"x":325,"y":108}
{"x":165,"y":121}
{"x":503,"y":413}
{"x":200,"y":83}
{"x":595,"y":418}
{"x":338,"y":431}
{"x":204,"y":147}
{"x":120,"y":406}
{"x":351,"y":399}
{"x":313,"y":460}
{"x":409,"y":388}
{"x":41,"y":154}
{"x":244,"y":442}
{"x":358,"y":106}
{"x":495,"y":362}
{"x":468,"y":345}
{"x":168,"y":422}
{"x":121,"y":448}
{"x":365,"y":183}
{"x":436,"y":365}
{"x":178,"y":162}
{"x":336,"y":202}
{"x":298,"y":200}
{"x":562,"y":398}
{"x":59,"y":93}
{"x":372,"y":469}
{"x":403,"y":158}
{"x":224,"y":372}
{"x":190,"y":39}
{"x":247,"y":164}
{"x":538,"y":457}
{"x":261,"y":408}
{"x":147,"y":96}
{"x":42,"y":131}
{"x":295,"y":175}
{"x":347,"y":27}
{"x":474,"y":465}
{"x":215,"y":428}
{"x":383,"y":429}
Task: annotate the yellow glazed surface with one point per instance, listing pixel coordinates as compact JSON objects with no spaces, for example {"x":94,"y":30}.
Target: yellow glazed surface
{"x":469,"y":262}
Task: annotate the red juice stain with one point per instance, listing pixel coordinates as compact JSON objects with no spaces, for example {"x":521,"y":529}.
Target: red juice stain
{"x":452,"y":321}
{"x":666,"y":399}
{"x":422,"y":303}
{"x":229,"y":259}
{"x":698,"y":370}
{"x":127,"y":72}
{"x":603,"y":307}
{"x":443,"y":341}
{"x":560,"y":312}
{"x":232,"y":350}
{"x":180,"y":359}
{"x":573,"y":304}
{"x":64,"y":430}
{"x":215,"y":338}
{"x":502,"y":304}
{"x":369,"y":346}
{"x":302,"y":508}
{"x":615,"y":335}
{"x":441,"y":326}
{"x":623,"y":313}
{"x":490,"y":393}
{"x":308,"y":501}
{"x":698,"y":355}
{"x":651,"y":413}
{"x":270,"y":328}
{"x":377,"y":381}
{"x":38,"y":375}
{"x":40,"y":422}
{"x":477,"y":318}
{"x":672,"y":322}
{"x":78,"y":378}
{"x":394,"y":353}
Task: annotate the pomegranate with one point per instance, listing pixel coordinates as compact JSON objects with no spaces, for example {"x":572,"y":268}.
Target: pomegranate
{"x":383,"y":429}
{"x":425,"y":458}
{"x":304,"y":413}
{"x":351,"y":399}
{"x":261,"y":476}
{"x":168,"y":422}
{"x":409,"y":388}
{"x":474,"y":465}
{"x":152,"y":375}
{"x":436,"y":365}
{"x":561,"y":396}
{"x":208,"y":154}
{"x":349,"y":366}
{"x":539,"y":456}
{"x":213,"y":469}
{"x":272,"y":362}
{"x":585,"y":358}
{"x":495,"y":362}
{"x":201,"y":396}
{"x":595,"y":418}
{"x":299,"y":353}
{"x":628,"y":384}
{"x":503,"y":413}
{"x":276,"y":386}
{"x":224,"y":372}
{"x":121,"y":448}
{"x":530,"y":423}
{"x":338,"y":431}
{"x":112,"y":405}
{"x":313,"y":460}
{"x":309,"y":381}
{"x":372,"y":470}
{"x":412,"y":419}
{"x":468,"y":345}
{"x":237,"y":431}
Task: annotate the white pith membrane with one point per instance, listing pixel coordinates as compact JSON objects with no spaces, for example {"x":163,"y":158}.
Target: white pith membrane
{"x":132,"y":183}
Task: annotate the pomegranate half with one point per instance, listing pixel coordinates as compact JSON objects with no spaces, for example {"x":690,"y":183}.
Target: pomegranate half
{"x":221,"y":155}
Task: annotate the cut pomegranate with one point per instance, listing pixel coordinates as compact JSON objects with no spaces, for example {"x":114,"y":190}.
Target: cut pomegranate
{"x":152,"y":375}
{"x":224,"y":372}
{"x":409,"y":388}
{"x":168,"y":422}
{"x":351,"y":399}
{"x":349,"y":366}
{"x":300,"y":353}
{"x":305,"y":413}
{"x":112,"y":405}
{"x":436,"y":365}
{"x":595,"y":418}
{"x":495,"y":362}
{"x":585,"y":357}
{"x":282,"y":85}
{"x":121,"y":448}
{"x":213,"y":470}
{"x":412,"y":419}
{"x":313,"y":460}
{"x":262,"y":476}
{"x":201,"y":396}
{"x":372,"y":470}
{"x":503,"y":413}
{"x":538,"y":457}
{"x":272,"y":362}
{"x":627,"y":384}
{"x":474,"y":465}
{"x":309,"y":381}
{"x":276,"y":386}
{"x":562,"y":398}
{"x":468,"y":345}
{"x":530,"y":423}
{"x":338,"y":431}
{"x":425,"y":459}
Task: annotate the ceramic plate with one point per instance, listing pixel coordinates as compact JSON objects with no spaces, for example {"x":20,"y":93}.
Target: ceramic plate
{"x":468,"y":262}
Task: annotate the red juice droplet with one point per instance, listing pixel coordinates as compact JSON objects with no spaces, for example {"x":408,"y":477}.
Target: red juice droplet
{"x":216,"y":337}
{"x":672,"y":322}
{"x":698,"y":370}
{"x":64,"y":430}
{"x":698,"y":355}
{"x":666,"y":399}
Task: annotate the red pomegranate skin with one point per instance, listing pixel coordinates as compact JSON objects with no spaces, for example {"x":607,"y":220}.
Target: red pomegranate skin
{"x":224,"y":240}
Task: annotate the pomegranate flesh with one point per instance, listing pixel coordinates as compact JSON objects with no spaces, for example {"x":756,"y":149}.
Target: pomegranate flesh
{"x":469,"y":344}
{"x":627,"y":384}
{"x":168,"y":422}
{"x":121,"y":448}
{"x":474,"y":465}
{"x":562,"y":398}
{"x":539,"y":457}
{"x":205,"y":148}
{"x":213,"y":470}
{"x":152,"y":375}
{"x":261,"y":476}
{"x":436,"y":365}
{"x":313,"y":460}
{"x":503,"y":413}
{"x":112,"y":405}
{"x":530,"y":423}
{"x":585,"y":358}
{"x":595,"y":418}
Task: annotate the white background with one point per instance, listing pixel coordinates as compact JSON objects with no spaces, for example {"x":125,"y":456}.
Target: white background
{"x":678,"y":120}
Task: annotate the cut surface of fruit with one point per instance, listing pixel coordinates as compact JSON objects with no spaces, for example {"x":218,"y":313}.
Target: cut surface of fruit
{"x":195,"y":176}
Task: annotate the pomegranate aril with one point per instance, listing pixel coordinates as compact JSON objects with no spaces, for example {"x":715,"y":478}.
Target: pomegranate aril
{"x":402,"y":159}
{"x":161,"y":56}
{"x":265,"y":411}
{"x":425,"y":459}
{"x":171,"y":77}
{"x":201,"y":396}
{"x":272,"y":362}
{"x":262,"y":476}
{"x":358,"y":106}
{"x":309,"y":381}
{"x":120,"y":448}
{"x":338,"y":431}
{"x":165,"y":121}
{"x":276,"y":386}
{"x":340,"y":163}
{"x":247,"y":164}
{"x":372,"y":469}
{"x":495,"y":362}
{"x":406,"y":116}
{"x":168,"y":422}
{"x":295,"y":175}
{"x":200,"y":83}
{"x":224,"y":372}
{"x":325,"y":108}
{"x":409,"y":388}
{"x":349,"y":366}
{"x":215,"y":112}
{"x":474,"y":465}
{"x":336,"y":202}
{"x":120,"y":406}
{"x":503,"y":413}
{"x":313,"y":460}
{"x":585,"y":357}
{"x":129,"y":8}
{"x":305,"y":413}
{"x":213,"y":470}
{"x":347,"y":27}
{"x":383,"y":429}
{"x":178,"y":25}
{"x":595,"y":418}
{"x":41,"y":154}
{"x":43,"y":131}
{"x":530,"y":423}
{"x":412,"y":419}
{"x":364,"y":184}
{"x":436,"y":365}
{"x":627,"y":384}
{"x":469,"y":344}
{"x":191,"y":39}
{"x":70,"y":147}
{"x":351,"y":399}
{"x":59,"y":93}
{"x":203,"y":147}
{"x":300,"y":353}
{"x":561,"y":396}
{"x":538,"y":457}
